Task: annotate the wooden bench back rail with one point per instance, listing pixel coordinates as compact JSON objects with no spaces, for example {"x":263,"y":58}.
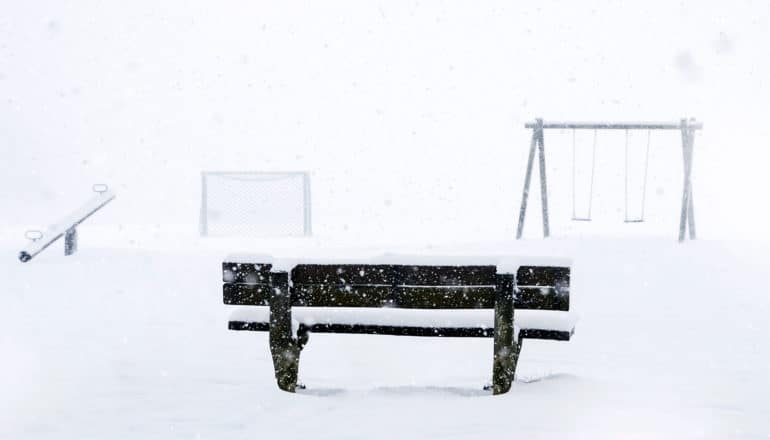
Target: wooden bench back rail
{"x":401,"y":286}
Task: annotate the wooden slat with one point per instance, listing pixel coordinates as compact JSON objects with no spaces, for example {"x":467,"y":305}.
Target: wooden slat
{"x":255,"y":273}
{"x":473,"y":332}
{"x":406,"y":275}
{"x":454,"y":332}
{"x":246,"y":294}
{"x":319,"y":295}
{"x":316,"y":295}
{"x":446,"y":275}
{"x":250,"y":273}
{"x":444,"y":297}
{"x":538,"y":298}
{"x":543,"y":276}
{"x":552,"y":335}
{"x":343,"y":274}
{"x":541,"y":298}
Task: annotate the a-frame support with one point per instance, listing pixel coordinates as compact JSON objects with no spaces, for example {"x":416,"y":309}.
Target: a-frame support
{"x":687,"y":220}
{"x":538,"y":142}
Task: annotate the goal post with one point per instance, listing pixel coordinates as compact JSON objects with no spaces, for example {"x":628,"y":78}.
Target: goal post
{"x":255,"y":203}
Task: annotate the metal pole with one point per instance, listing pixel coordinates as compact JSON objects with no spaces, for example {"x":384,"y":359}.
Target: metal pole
{"x":574,"y":179}
{"x":614,"y":125}
{"x":543,"y":186}
{"x":686,"y":185}
{"x":204,"y":204}
{"x":527,"y":179}
{"x":625,"y":183}
{"x":691,"y":207}
{"x":70,"y":241}
{"x":306,"y":190}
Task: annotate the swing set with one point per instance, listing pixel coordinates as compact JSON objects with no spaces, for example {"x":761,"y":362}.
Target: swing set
{"x":687,"y":128}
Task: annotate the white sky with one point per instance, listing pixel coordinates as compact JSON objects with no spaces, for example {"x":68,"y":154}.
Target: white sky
{"x":410,"y":115}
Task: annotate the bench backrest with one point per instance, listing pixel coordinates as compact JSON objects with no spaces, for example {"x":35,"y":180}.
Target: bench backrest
{"x":401,"y":286}
{"x":431,"y":287}
{"x":542,"y":287}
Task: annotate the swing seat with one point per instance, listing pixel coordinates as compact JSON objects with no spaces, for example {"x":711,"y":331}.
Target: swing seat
{"x":634,"y":220}
{"x":581,"y":219}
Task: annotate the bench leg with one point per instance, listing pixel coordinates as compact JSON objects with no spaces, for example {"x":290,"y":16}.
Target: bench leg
{"x":506,"y":350}
{"x":283,"y":345}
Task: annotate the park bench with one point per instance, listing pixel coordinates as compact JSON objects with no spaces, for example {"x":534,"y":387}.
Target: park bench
{"x":399,"y":299}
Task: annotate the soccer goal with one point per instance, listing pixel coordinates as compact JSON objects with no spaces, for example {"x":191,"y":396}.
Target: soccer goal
{"x":255,"y":203}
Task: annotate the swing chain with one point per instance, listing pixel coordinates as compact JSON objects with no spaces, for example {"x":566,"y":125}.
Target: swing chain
{"x":574,"y":179}
{"x":641,"y":217}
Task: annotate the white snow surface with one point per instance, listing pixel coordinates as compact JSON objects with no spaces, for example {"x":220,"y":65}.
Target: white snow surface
{"x":504,"y":263}
{"x":410,"y":118}
{"x":133,"y":343}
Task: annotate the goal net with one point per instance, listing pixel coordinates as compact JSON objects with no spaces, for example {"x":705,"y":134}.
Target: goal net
{"x":255,"y":204}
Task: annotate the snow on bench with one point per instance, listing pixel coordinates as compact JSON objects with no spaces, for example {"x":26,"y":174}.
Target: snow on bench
{"x":560,"y":325}
{"x":400,"y":295}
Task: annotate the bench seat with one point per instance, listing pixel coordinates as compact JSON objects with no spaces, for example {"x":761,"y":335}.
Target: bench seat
{"x":531,"y":324}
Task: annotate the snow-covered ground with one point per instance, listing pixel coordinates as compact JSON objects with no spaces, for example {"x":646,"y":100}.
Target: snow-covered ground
{"x":409,"y":117}
{"x":122,"y":343}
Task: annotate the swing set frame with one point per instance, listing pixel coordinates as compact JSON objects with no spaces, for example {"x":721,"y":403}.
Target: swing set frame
{"x":538,"y":127}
